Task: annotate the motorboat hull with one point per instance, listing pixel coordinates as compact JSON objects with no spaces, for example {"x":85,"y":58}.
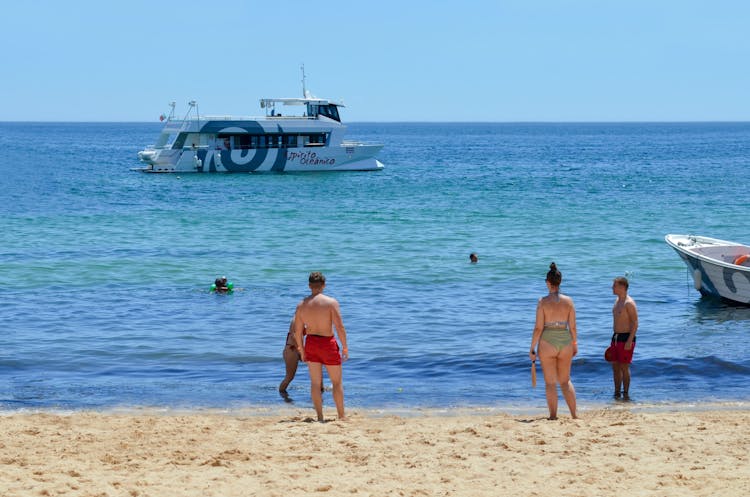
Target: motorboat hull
{"x":717,"y":266}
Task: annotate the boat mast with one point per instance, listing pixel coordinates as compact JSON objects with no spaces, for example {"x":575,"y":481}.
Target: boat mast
{"x":304,"y":89}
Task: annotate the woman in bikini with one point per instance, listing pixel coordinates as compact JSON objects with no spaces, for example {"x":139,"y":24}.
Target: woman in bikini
{"x":291,"y":361}
{"x":555,"y":335}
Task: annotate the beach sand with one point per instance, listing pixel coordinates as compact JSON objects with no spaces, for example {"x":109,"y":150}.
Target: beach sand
{"x":606,"y":452}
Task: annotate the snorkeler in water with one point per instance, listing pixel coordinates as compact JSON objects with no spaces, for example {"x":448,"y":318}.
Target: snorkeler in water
{"x":221,"y":285}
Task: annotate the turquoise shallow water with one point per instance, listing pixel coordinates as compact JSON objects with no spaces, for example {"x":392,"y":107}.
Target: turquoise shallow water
{"x":104,"y":272}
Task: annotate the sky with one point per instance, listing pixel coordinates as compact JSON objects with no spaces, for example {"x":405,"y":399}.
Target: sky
{"x":388,"y":61}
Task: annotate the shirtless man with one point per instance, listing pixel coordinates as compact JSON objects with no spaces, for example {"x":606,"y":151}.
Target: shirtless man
{"x":319,"y":314}
{"x":625,"y":324}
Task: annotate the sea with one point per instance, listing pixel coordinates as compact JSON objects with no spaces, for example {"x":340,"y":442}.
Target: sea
{"x":105,"y":272}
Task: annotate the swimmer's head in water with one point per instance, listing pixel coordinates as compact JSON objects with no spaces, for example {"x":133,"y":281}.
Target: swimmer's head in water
{"x":220,"y":284}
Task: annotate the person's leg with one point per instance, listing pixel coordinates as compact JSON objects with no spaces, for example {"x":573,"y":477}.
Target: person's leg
{"x":627,"y":359}
{"x":335,"y":375}
{"x":291,"y":361}
{"x":316,"y":378}
{"x":548,"y":359}
{"x":564,"y":362}
{"x":617,"y":376}
{"x":625,"y":373}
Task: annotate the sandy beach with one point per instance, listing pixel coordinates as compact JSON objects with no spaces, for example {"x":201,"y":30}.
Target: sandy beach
{"x":607,"y":451}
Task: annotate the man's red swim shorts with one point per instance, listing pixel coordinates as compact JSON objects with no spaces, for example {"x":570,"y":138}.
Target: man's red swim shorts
{"x":621,"y":355}
{"x":324,"y":350}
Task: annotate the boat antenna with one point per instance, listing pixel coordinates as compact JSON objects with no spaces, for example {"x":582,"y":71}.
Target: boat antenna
{"x":304,"y":90}
{"x":171,"y":112}
{"x":192,"y":104}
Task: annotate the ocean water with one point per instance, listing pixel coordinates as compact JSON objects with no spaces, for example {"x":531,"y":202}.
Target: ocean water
{"x":105,"y":272}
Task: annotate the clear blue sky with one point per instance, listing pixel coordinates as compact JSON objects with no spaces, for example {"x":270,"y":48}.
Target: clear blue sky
{"x":519,"y":60}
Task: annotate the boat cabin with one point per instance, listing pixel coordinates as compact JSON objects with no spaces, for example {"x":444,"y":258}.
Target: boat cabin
{"x":314,"y":107}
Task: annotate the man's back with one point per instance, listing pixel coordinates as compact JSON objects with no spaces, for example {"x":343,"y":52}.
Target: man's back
{"x":320,"y":314}
{"x":317,"y":311}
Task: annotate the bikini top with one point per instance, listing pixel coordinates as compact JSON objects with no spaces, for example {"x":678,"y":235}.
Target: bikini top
{"x":557,"y":324}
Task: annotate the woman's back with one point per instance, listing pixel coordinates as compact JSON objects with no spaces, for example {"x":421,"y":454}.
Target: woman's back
{"x":556,"y":308}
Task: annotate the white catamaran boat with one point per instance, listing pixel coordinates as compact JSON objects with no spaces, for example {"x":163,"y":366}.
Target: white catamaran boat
{"x":313,"y":141}
{"x":719,"y":268}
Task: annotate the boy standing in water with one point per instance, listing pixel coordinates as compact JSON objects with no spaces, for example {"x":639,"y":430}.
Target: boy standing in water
{"x":320,"y":314}
{"x":625,"y":324}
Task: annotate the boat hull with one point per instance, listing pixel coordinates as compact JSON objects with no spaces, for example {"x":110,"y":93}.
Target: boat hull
{"x":354,"y":158}
{"x":711,"y":263}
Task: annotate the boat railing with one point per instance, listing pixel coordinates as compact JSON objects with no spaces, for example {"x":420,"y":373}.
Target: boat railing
{"x":359,"y":143}
{"x":248,"y":118}
{"x":179,"y":125}
{"x":176,"y":125}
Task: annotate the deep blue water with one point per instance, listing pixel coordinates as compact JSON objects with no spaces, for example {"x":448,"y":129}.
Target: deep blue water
{"x":104,"y":272}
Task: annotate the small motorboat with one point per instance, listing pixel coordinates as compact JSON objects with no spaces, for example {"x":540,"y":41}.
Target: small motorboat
{"x":719,"y":268}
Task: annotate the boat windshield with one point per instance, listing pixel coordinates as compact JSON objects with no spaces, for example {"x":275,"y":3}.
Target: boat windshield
{"x":331,"y":111}
{"x":328,"y":110}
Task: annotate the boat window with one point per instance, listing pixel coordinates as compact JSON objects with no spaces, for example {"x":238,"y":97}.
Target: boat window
{"x":195,"y":140}
{"x":163,"y":140}
{"x":285,"y":140}
{"x":223,"y":142}
{"x":314,"y":140}
{"x":242,"y":141}
{"x":180,"y":141}
{"x":330,"y":111}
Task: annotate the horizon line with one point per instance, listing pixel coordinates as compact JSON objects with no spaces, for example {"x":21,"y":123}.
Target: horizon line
{"x":707,"y":121}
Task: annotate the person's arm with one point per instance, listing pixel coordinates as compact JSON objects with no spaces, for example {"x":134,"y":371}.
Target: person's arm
{"x":537,"y":333}
{"x":573,"y":326}
{"x":291,"y":332}
{"x":340,"y":330}
{"x":632,"y":312}
{"x":299,"y":326}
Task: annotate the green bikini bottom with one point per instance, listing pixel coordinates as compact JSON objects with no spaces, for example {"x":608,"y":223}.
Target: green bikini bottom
{"x":557,"y":337}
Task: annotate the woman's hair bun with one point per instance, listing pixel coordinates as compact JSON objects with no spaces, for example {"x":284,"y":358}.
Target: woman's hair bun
{"x":553,"y":275}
